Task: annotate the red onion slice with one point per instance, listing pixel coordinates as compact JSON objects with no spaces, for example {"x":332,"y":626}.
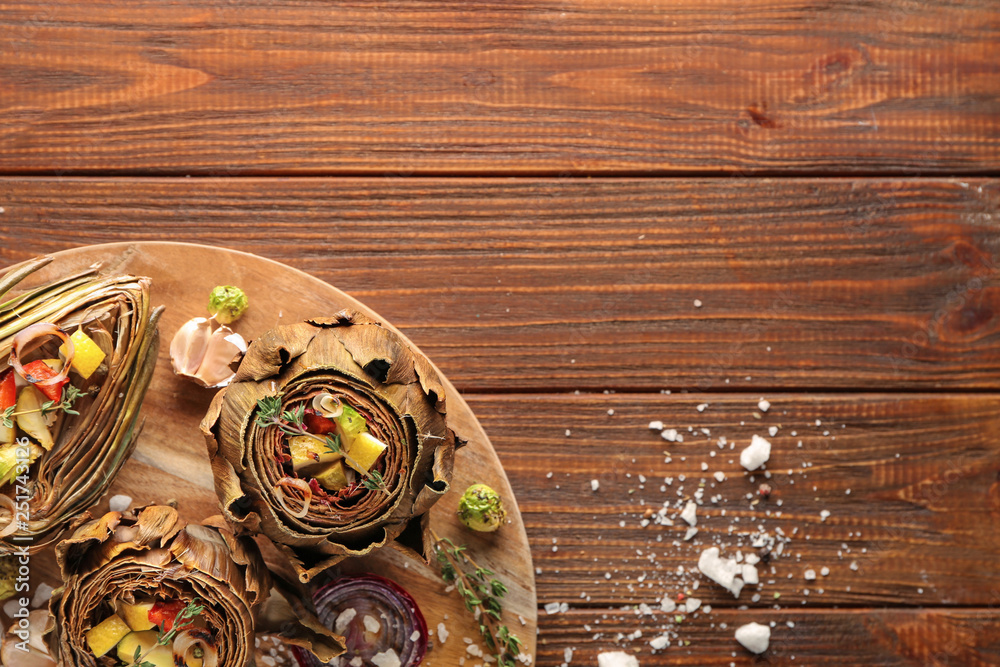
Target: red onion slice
{"x":39,"y":330}
{"x":361,"y":601}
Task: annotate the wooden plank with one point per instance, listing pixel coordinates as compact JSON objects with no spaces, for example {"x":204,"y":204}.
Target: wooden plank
{"x":583,"y":86}
{"x":911,"y":484}
{"x":819,"y":638}
{"x":548,"y":284}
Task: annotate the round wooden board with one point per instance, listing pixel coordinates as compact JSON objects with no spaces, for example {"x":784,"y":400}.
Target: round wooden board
{"x":171,"y":463}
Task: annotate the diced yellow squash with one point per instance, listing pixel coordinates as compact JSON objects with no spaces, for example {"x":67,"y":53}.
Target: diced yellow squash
{"x":137,"y":615}
{"x":332,"y":477}
{"x":88,"y":355}
{"x":308,"y":451}
{"x":105,"y":635}
{"x":145,"y":641}
{"x":31,"y":421}
{"x":364,"y":452}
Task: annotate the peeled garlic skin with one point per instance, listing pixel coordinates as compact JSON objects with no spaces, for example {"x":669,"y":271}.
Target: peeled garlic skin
{"x":204,"y":355}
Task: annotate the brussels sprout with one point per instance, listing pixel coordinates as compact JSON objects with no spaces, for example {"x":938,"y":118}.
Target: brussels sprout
{"x":481,"y":508}
{"x":227,"y":303}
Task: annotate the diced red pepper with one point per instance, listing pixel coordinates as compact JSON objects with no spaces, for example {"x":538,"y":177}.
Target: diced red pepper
{"x":39,"y":370}
{"x":164,"y":614}
{"x":8,"y":389}
{"x":318,"y":424}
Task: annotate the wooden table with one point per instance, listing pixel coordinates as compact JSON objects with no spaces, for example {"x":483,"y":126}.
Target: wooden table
{"x":593,"y":215}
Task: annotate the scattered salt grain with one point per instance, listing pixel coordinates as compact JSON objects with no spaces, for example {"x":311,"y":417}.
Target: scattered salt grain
{"x":824,"y":514}
{"x":763,"y":405}
{"x":662,"y":641}
{"x":552,"y":608}
{"x":756,"y":454}
{"x":810,"y":575}
{"x":119,"y":503}
{"x":720,"y":476}
{"x":772,"y":431}
{"x":754,"y":637}
{"x":824,"y":571}
{"x":691,"y":532}
{"x":594,"y":485}
{"x":670,"y":435}
{"x":442,"y":633}
{"x":656,"y":426}
{"x":701,"y":407}
{"x":697,"y":303}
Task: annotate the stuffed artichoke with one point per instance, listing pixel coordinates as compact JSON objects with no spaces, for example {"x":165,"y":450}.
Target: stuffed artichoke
{"x":76,"y":358}
{"x":141,"y":588}
{"x":330,"y":439}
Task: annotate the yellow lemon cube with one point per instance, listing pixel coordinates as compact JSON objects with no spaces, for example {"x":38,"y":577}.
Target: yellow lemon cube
{"x":332,"y":477}
{"x":105,"y":635}
{"x":88,"y":355}
{"x":137,"y":615}
{"x":145,"y":643}
{"x":364,"y":452}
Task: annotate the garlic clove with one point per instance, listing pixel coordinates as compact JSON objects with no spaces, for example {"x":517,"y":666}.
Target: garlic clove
{"x":187,"y":349}
{"x":203,"y":355}
{"x":224,"y":347}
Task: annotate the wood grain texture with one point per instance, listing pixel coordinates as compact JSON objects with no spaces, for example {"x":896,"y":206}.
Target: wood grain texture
{"x":819,"y":638}
{"x":562,"y":284}
{"x":583,"y":86}
{"x":912,"y":485}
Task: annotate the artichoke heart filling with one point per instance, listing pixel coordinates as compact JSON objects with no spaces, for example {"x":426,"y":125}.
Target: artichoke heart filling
{"x":53,"y":375}
{"x":328,"y":456}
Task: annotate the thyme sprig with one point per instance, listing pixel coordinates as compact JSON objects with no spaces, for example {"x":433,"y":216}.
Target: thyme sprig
{"x":481,"y":593}
{"x":291,"y":422}
{"x":65,"y":403}
{"x":374,"y":481}
{"x":184,"y":619}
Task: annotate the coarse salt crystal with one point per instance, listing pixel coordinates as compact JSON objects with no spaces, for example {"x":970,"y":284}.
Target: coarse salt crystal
{"x":442,"y":633}
{"x":772,"y":431}
{"x":824,"y":571}
{"x":669,"y":434}
{"x":656,"y":426}
{"x":662,"y":641}
{"x":810,"y":575}
{"x":701,"y":407}
{"x":594,"y":485}
{"x":119,"y":503}
{"x":763,"y":405}
{"x":754,"y":637}
{"x":344,"y":619}
{"x":690,"y":513}
{"x":371,"y":624}
{"x":824,"y":514}
{"x":756,"y":454}
{"x":386,"y":659}
{"x":697,"y":303}
{"x":616,"y":659}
